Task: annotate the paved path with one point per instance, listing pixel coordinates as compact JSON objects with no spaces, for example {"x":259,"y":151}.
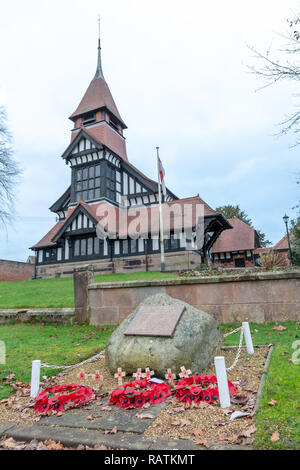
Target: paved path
{"x":74,"y":428}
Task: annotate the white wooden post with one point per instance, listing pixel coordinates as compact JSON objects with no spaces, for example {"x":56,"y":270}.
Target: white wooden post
{"x":221,"y":374}
{"x":35,"y":378}
{"x":248,"y":338}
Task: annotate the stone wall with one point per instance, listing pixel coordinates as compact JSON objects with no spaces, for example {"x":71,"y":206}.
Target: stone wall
{"x":174,"y":262}
{"x":55,"y":315}
{"x":255,"y":297}
{"x":15,"y":271}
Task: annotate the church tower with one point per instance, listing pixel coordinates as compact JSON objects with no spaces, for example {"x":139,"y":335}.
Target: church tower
{"x":98,"y":113}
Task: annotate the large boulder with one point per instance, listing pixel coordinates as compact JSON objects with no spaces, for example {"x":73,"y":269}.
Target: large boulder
{"x":195,"y":341}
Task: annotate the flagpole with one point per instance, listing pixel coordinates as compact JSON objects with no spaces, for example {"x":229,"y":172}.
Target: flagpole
{"x":161,"y":227}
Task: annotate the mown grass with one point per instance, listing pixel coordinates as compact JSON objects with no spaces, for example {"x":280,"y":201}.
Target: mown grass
{"x":54,"y":344}
{"x":57,"y":292}
{"x":282,"y":384}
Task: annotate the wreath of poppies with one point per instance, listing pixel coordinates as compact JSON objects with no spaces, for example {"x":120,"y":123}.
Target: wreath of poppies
{"x":198,"y":388}
{"x":59,"y":397}
{"x":138,"y":393}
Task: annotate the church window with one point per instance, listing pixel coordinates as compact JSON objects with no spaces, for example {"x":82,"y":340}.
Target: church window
{"x":155,"y":244}
{"x":90,"y":246}
{"x":125,"y":247}
{"x":117,"y":247}
{"x":83,"y":247}
{"x":125,"y":184}
{"x":131,"y":186}
{"x":110,"y":183}
{"x":133,"y":246}
{"x":173,"y":242}
{"x":87,"y":186}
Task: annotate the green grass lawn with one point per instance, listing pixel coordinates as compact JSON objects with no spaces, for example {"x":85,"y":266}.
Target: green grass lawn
{"x":54,"y":344}
{"x":62,"y":345}
{"x":282,"y":384}
{"x":57,"y":292}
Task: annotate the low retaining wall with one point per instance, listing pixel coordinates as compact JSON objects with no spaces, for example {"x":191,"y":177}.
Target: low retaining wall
{"x":257,"y":297}
{"x":16,"y":271}
{"x":56,"y":315}
{"x":175,"y":261}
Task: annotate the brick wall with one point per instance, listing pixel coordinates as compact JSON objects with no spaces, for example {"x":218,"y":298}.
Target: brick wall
{"x":15,"y":271}
{"x":259,"y":297}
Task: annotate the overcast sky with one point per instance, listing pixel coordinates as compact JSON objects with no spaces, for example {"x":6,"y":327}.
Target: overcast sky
{"x":177,"y":71}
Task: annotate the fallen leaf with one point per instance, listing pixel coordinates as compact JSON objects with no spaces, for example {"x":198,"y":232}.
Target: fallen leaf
{"x":91,"y":417}
{"x":197,"y":432}
{"x":275,"y":437}
{"x":272,"y":403}
{"x":279,"y":328}
{"x":247,"y":432}
{"x":178,"y":409}
{"x":52,"y":445}
{"x":201,"y":442}
{"x":228,"y":437}
{"x":8,"y":379}
{"x":240,"y":398}
{"x":106,"y":408}
{"x":8,"y":443}
{"x":113,"y":431}
{"x":100,"y":447}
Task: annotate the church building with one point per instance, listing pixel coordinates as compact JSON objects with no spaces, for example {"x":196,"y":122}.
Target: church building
{"x":102,"y":180}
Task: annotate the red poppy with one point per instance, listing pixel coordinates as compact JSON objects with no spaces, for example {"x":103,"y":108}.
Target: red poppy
{"x":56,"y":397}
{"x":139,"y":392}
{"x":198,"y":388}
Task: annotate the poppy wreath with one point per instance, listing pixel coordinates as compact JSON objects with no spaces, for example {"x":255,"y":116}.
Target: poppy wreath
{"x":59,"y":397}
{"x":198,"y":388}
{"x":138,"y":393}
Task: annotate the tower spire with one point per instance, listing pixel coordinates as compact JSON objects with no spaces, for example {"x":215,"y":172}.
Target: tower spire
{"x":99,"y":72}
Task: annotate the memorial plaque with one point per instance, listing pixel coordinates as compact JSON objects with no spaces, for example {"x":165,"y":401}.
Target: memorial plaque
{"x":156,"y":320}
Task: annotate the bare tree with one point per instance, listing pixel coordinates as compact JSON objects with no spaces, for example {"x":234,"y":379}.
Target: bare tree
{"x":9,"y":172}
{"x":280,"y":65}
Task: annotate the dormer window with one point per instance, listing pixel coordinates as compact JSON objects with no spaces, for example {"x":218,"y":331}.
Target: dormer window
{"x":89,"y":119}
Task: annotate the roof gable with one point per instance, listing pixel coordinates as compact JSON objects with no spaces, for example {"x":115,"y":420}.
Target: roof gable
{"x":79,"y":144}
{"x":242,"y":237}
{"x":80,"y":217}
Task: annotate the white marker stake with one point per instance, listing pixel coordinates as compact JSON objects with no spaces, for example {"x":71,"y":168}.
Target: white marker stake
{"x":222,"y":381}
{"x":248,"y":338}
{"x":35,"y":378}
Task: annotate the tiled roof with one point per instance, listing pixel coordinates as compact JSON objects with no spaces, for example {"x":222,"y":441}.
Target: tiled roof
{"x":97,"y":96}
{"x":149,"y":217}
{"x":106,"y":136}
{"x":242,"y":237}
{"x":283,"y":243}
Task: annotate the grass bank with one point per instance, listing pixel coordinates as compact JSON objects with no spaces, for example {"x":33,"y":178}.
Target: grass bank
{"x":57,"y":292}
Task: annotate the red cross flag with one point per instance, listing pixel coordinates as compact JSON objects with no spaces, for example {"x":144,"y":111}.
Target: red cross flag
{"x":162,"y":177}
